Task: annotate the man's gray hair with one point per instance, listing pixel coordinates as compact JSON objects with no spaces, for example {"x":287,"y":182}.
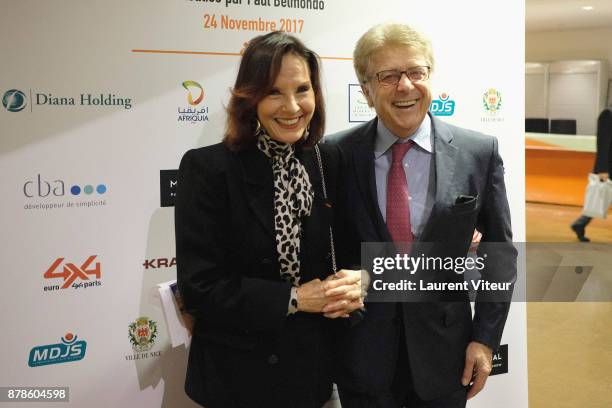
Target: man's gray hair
{"x":388,"y":35}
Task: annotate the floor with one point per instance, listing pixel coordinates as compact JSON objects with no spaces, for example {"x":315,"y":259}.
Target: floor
{"x":569,"y":343}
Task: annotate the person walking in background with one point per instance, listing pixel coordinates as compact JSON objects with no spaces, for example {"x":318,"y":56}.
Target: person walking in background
{"x":601,"y":167}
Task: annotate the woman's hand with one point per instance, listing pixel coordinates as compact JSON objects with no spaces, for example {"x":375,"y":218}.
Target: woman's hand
{"x":189,"y":321}
{"x":311,"y":296}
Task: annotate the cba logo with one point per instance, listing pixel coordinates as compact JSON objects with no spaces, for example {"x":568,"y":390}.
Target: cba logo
{"x":70,"y":349}
{"x":14,"y":100}
{"x":43,"y":188}
{"x":71,"y":272}
{"x":190,"y":99}
{"x":444,"y":106}
{"x":142,"y":334}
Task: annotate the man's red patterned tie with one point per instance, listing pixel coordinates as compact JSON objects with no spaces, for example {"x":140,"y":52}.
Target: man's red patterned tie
{"x":398,"y":209}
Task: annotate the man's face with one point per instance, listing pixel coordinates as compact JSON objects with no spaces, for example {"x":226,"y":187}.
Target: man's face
{"x":401,"y":107}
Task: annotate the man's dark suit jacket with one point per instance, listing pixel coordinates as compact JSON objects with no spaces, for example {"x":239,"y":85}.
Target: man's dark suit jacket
{"x":437,"y":333}
{"x":244,"y":346}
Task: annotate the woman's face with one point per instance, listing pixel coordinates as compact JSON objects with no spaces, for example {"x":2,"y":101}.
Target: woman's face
{"x":287,"y":110}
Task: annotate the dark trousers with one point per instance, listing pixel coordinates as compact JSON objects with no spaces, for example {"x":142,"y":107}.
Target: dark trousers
{"x":582,"y":221}
{"x":402,"y":393}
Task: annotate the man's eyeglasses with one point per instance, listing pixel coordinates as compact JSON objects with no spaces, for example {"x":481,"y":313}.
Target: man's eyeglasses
{"x":392,"y":77}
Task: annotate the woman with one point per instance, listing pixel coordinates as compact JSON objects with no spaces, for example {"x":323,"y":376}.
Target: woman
{"x":253,"y":240}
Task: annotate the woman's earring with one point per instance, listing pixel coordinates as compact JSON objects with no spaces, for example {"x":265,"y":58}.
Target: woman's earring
{"x":257,"y":127}
{"x":306,"y":133}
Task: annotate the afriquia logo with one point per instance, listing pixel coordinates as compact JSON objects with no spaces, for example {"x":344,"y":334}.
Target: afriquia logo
{"x":443,"y":106}
{"x":193,"y":113}
{"x":492,"y":104}
{"x":70,"y":349}
{"x":14,"y":100}
{"x":142,"y":334}
{"x":49,"y":193}
{"x":359,"y":110}
{"x":83,"y":276}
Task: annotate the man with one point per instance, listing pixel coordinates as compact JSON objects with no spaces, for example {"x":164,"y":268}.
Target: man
{"x":409,"y":178}
{"x":601,"y":167}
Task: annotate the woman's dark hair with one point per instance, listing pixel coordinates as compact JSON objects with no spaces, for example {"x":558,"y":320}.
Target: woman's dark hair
{"x":261,"y":62}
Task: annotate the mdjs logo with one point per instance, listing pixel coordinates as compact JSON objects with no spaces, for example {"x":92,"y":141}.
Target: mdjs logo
{"x":14,"y":100}
{"x":70,"y":349}
{"x":443,"y":106}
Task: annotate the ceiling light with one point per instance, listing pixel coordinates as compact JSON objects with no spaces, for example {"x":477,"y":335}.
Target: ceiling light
{"x":587,"y":8}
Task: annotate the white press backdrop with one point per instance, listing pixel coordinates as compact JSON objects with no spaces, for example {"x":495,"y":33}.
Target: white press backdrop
{"x":53,"y":147}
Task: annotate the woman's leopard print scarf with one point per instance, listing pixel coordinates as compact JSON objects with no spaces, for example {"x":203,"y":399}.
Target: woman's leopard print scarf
{"x":293,"y":197}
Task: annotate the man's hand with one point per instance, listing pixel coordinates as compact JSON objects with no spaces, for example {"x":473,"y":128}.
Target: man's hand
{"x":476,"y":237}
{"x":341,"y":291}
{"x":478,"y":366}
{"x":345,"y":290}
{"x":603,"y":176}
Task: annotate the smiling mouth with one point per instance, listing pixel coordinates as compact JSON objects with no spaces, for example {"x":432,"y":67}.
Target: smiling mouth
{"x":404,"y":104}
{"x":288,"y":123}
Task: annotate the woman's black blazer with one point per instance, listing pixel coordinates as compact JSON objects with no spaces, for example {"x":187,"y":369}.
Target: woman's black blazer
{"x":245,"y":348}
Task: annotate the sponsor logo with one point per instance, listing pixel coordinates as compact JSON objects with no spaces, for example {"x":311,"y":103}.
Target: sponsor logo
{"x":83,"y":276}
{"x":190,"y":98}
{"x":492,"y":104}
{"x":359,"y":111}
{"x":500,"y":360}
{"x":142,"y":334}
{"x":443,"y":106}
{"x":167,"y":187}
{"x":50,"y":190}
{"x":70,"y":349}
{"x":193,"y":113}
{"x":159,"y":263}
{"x":14,"y":100}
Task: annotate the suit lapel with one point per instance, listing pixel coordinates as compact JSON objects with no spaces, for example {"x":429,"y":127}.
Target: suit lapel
{"x":445,"y":157}
{"x":363,"y":162}
{"x":307,"y":157}
{"x":256,"y":174}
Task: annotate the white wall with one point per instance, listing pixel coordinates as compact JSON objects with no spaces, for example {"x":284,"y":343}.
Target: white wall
{"x":589,"y":44}
{"x":569,"y":44}
{"x":73,"y":48}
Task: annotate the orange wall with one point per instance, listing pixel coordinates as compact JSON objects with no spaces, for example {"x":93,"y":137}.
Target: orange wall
{"x":555,"y":175}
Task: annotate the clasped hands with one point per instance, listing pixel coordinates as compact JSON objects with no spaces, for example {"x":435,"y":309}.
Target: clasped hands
{"x":336,"y":296}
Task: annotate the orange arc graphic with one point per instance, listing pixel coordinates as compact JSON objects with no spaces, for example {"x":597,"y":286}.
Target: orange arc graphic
{"x":231,"y":54}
